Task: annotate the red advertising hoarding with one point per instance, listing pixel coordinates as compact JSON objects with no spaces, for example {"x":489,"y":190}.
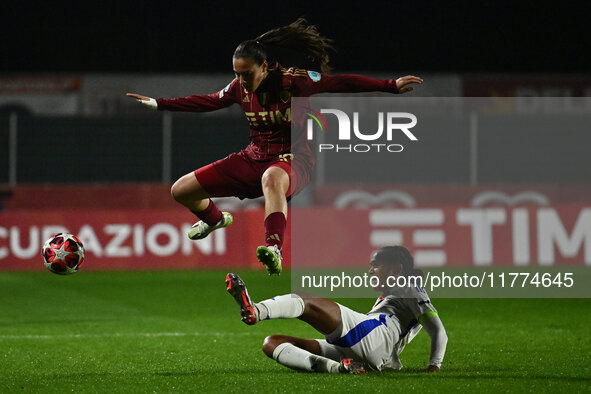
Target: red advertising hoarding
{"x":134,"y":239}
{"x":446,"y":235}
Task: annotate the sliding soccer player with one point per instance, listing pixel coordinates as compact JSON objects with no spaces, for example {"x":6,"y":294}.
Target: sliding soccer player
{"x":353,"y":341}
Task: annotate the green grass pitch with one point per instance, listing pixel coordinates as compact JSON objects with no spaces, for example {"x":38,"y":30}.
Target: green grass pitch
{"x":180,"y":331}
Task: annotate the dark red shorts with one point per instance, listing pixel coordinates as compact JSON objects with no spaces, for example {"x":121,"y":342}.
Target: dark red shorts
{"x":240,"y":176}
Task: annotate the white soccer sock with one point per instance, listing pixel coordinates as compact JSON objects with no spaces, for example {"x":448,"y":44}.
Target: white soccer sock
{"x":293,"y":357}
{"x":281,"y":307}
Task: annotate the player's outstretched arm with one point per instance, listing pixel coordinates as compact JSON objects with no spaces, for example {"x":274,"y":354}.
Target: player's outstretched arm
{"x":194,"y":103}
{"x":145,"y":100}
{"x":315,"y":83}
{"x":402,"y":82}
{"x":436,"y":331}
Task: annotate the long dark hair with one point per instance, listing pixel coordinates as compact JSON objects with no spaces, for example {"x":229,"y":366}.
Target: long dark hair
{"x":397,"y":255}
{"x":298,"y":36}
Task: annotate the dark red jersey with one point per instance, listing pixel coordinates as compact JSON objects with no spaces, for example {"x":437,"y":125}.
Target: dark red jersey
{"x":268,"y":108}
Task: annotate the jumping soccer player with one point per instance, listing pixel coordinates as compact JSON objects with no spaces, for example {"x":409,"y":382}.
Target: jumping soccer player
{"x":353,"y":341}
{"x":267,"y":166}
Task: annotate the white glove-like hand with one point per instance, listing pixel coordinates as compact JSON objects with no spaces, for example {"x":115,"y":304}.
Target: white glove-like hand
{"x":150,"y":103}
{"x":144,"y":100}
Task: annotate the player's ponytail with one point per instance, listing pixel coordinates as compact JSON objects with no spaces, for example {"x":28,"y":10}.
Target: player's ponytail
{"x":398,"y":255}
{"x":298,"y":36}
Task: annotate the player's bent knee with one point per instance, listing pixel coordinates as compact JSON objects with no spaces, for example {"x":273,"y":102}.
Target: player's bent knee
{"x":187,"y":190}
{"x":269,"y":181}
{"x":270,"y":343}
{"x":174,"y":191}
{"x":276,"y":180}
{"x":177,"y":188}
{"x":178,"y":192}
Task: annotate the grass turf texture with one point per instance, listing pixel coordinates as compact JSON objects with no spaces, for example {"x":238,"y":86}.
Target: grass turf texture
{"x":181,"y":332}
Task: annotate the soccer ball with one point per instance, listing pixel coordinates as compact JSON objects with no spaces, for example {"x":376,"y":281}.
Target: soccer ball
{"x":63,"y":254}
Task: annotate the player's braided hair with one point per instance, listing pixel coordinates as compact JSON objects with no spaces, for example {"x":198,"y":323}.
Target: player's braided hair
{"x":398,"y":255}
{"x":298,"y":36}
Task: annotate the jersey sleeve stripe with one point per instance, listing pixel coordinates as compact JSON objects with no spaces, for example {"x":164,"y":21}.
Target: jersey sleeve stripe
{"x":427,"y":315}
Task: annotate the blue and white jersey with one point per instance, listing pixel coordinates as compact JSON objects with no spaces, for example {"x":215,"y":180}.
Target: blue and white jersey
{"x":409,"y":305}
{"x":378,"y":337}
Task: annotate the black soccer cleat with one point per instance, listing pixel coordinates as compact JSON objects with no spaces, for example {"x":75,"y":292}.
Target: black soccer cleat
{"x":237,"y":289}
{"x":351,"y":366}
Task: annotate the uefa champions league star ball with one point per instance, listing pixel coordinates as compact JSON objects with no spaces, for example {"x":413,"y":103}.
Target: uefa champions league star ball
{"x":63,"y":254}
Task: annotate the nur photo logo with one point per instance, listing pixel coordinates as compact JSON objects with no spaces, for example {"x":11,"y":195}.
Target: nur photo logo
{"x":349,"y":131}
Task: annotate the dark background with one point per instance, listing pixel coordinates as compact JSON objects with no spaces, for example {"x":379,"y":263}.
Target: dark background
{"x":447,"y":37}
{"x":195,"y":36}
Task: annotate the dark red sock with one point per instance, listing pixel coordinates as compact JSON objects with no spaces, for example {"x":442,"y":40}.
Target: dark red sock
{"x":274,"y":228}
{"x":211,"y":215}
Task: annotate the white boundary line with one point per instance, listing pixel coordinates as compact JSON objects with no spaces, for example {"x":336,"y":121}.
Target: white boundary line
{"x":131,"y":334}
